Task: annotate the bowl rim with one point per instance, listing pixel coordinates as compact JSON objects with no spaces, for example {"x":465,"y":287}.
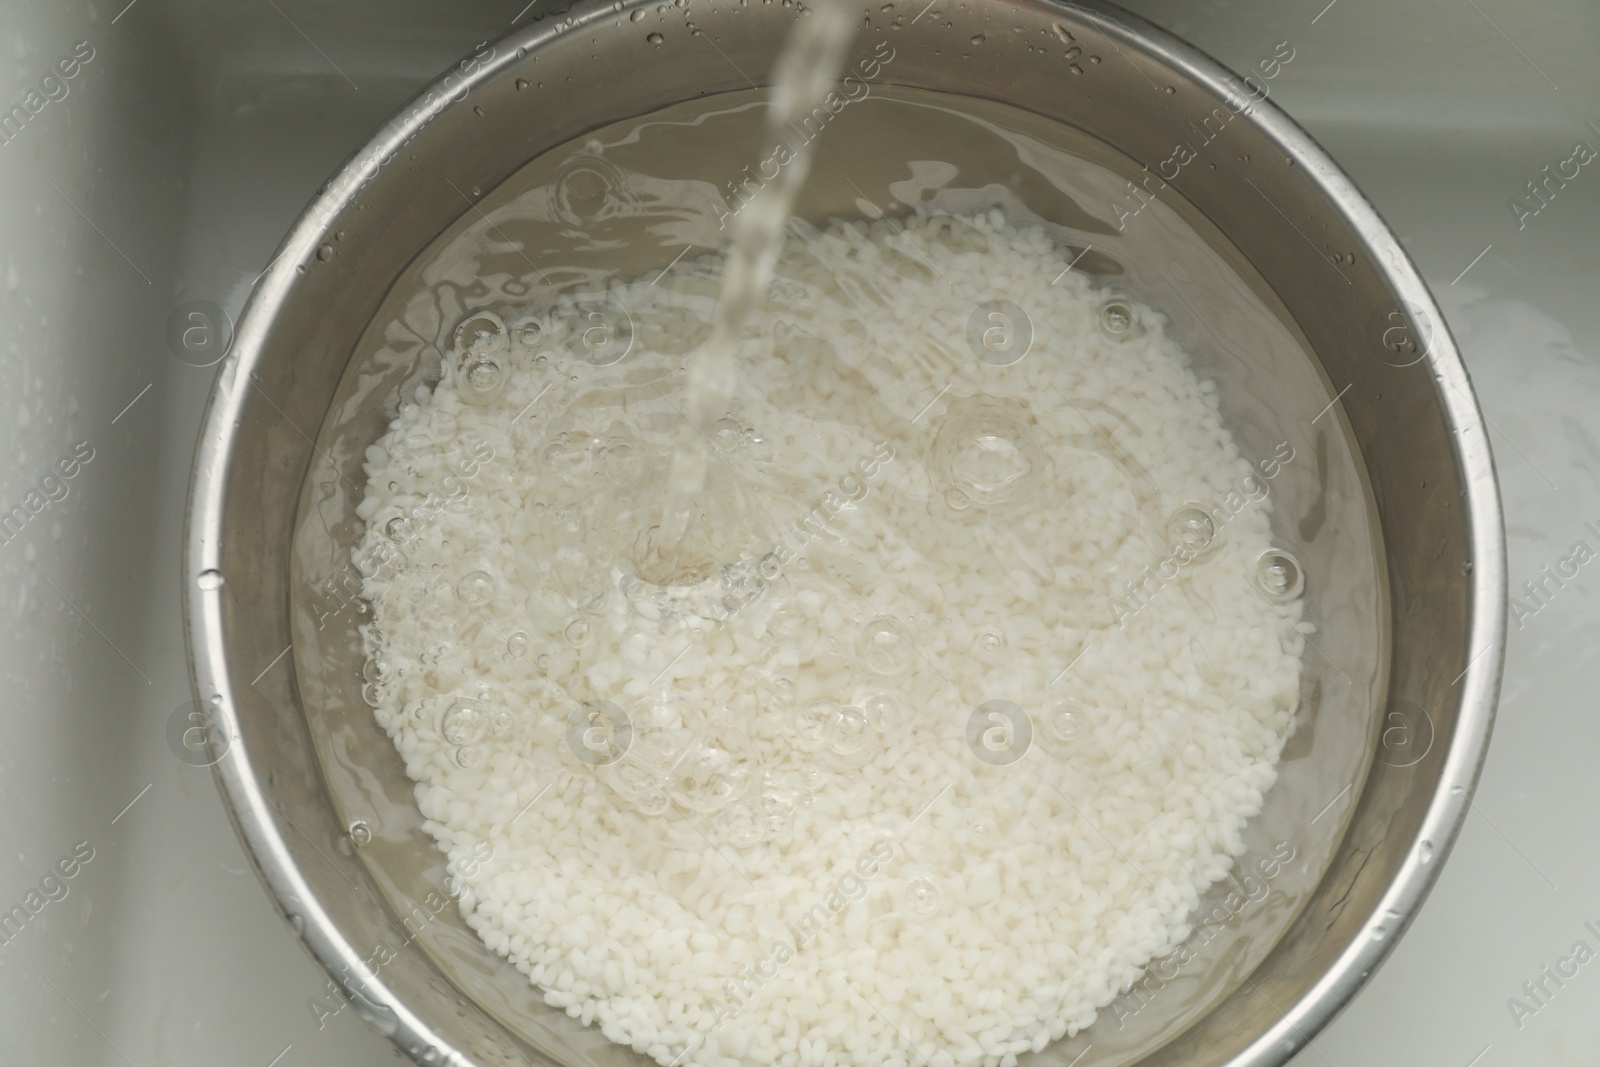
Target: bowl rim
{"x":252,"y":812}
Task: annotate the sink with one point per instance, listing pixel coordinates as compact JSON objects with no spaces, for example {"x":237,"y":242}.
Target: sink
{"x":153,"y":183}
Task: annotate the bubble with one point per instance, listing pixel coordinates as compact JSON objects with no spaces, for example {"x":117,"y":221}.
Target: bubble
{"x":398,"y":530}
{"x":984,"y":448}
{"x":481,"y":347}
{"x":743,"y":825}
{"x":325,"y":253}
{"x":712,"y":776}
{"x":475,"y":589}
{"x":999,"y":333}
{"x":360,"y":833}
{"x":813,"y":722}
{"x":884,"y":649}
{"x":209,"y":580}
{"x":465,"y":723}
{"x":579,"y":632}
{"x":1279,"y":576}
{"x":471,"y":757}
{"x":921,"y":899}
{"x":1063,"y":722}
{"x":371,"y":695}
{"x":377,"y":668}
{"x":527,"y":332}
{"x":727,"y":434}
{"x":1117,"y":320}
{"x":518,"y":644}
{"x":957,"y":500}
{"x":989,"y":644}
{"x":1192,"y":530}
{"x":851,"y":738}
{"x":500,"y":722}
{"x":884,"y":711}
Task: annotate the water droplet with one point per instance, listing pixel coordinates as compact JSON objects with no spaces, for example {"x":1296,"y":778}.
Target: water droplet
{"x":1064,"y":33}
{"x":1094,"y":59}
{"x":1425,"y":852}
{"x":1279,"y":576}
{"x":360,"y":833}
{"x":978,"y":38}
{"x":398,"y":529}
{"x":297,"y":923}
{"x":478,"y":111}
{"x":921,"y":899}
{"x":325,"y":253}
{"x":209,"y":580}
{"x":654,"y":38}
{"x":1169,"y":90}
{"x":522,"y":83}
{"x":637,"y":16}
{"x":1074,"y":68}
{"x":465,"y":723}
{"x":1072,"y":53}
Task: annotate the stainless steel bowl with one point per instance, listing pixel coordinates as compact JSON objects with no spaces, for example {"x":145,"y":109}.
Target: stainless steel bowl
{"x":1392,"y":509}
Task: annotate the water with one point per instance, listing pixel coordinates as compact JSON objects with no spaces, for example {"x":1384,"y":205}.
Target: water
{"x":805,"y":74}
{"x":622,"y":204}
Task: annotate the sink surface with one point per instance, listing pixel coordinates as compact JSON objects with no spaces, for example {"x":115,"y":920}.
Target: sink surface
{"x":166,"y":166}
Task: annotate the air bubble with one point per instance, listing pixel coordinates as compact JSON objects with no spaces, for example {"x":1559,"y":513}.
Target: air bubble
{"x":517,"y":645}
{"x":475,"y":589}
{"x":989,"y":644}
{"x":465,"y":723}
{"x":1279,"y":575}
{"x":1192,"y":531}
{"x":1063,"y":721}
{"x":360,"y":833}
{"x":471,"y":757}
{"x":921,"y":899}
{"x":1116,"y":320}
{"x":480,"y":350}
{"x":884,"y":649}
{"x":579,"y":631}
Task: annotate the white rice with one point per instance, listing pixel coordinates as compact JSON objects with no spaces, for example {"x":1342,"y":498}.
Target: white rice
{"x":837,"y":878}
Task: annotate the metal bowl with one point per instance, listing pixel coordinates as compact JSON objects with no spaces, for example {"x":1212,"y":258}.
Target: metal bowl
{"x":1278,"y":276}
